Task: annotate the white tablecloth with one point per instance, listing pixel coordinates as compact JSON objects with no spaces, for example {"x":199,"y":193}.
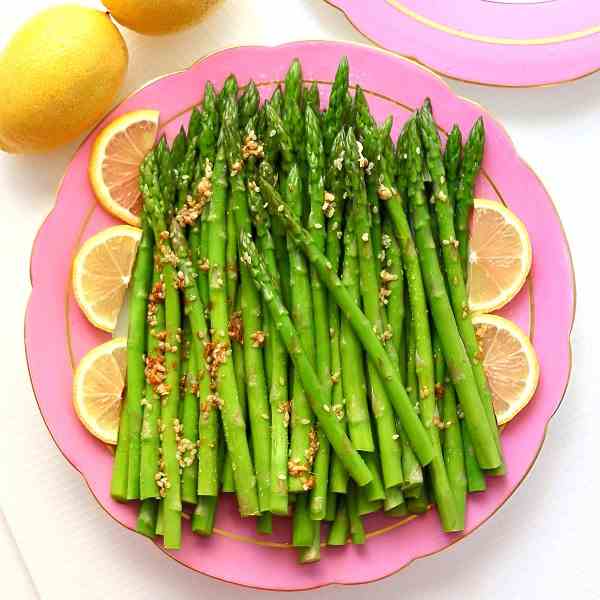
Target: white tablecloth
{"x":56,"y":543}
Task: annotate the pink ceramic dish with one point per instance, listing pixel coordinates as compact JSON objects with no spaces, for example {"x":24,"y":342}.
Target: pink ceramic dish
{"x":57,"y":334}
{"x":514,"y":43}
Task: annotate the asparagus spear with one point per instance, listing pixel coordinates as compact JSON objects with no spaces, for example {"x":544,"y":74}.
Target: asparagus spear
{"x":126,"y":468}
{"x":150,"y":450}
{"x":292,"y":113}
{"x":469,"y":169}
{"x":233,"y":420}
{"x":333,"y":207}
{"x":248,"y":103}
{"x":207,"y":145}
{"x":340,"y":529}
{"x":157,"y":201}
{"x":273,"y":136}
{"x":454,"y":273}
{"x":316,"y":225}
{"x":452,"y":162}
{"x":393,"y":273}
{"x":312,"y":98}
{"x":357,"y":530}
{"x":195,"y":124}
{"x":278,"y":392}
{"x":389,"y":372}
{"x":443,"y":317}
{"x":302,"y":525}
{"x":453,"y":450}
{"x":188,"y":445}
{"x":389,"y":445}
{"x":303,"y":443}
{"x":333,"y":117}
{"x":328,"y":422}
{"x":203,"y":519}
{"x":475,"y":475}
{"x":353,"y":367}
{"x":253,"y":334}
{"x":412,"y":471}
{"x":147,"y":514}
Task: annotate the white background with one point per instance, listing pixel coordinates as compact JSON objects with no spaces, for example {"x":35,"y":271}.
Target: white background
{"x":55,"y":542}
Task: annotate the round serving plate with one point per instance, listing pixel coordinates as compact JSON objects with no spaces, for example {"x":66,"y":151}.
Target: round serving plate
{"x":57,"y":334}
{"x":513,"y":43}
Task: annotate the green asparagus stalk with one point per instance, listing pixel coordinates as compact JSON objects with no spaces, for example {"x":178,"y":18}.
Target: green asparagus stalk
{"x":389,"y":372}
{"x":393,"y":273}
{"x":274,"y":137}
{"x":353,"y":367}
{"x":472,"y":157}
{"x":327,"y":421}
{"x":150,"y":450}
{"x":303,"y":443}
{"x":203,"y":519}
{"x":316,"y":225}
{"x":264,"y":523}
{"x":278,"y":391}
{"x":393,"y":498}
{"x":333,"y":207}
{"x":231,"y":412}
{"x":126,"y":468}
{"x":357,"y":529}
{"x":292,"y":113}
{"x":475,"y":475}
{"x":453,"y":450}
{"x":248,"y":103}
{"x":207,"y":143}
{"x":157,"y":200}
{"x":312,"y":553}
{"x":302,"y":525}
{"x":147,"y":514}
{"x":366,"y":506}
{"x":412,"y":472}
{"x":375,"y":489}
{"x":333,"y":118}
{"x":312,"y":98}
{"x":452,"y":162}
{"x":340,"y":529}
{"x":195,"y":124}
{"x":332,"y":501}
{"x":188,"y":446}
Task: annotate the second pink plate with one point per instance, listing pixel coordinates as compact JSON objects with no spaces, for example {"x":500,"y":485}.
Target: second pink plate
{"x":57,"y":334}
{"x":513,"y":43}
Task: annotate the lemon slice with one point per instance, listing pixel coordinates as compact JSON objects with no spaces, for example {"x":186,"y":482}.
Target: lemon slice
{"x":510,"y":363}
{"x":499,"y":256}
{"x":101,"y":273}
{"x":98,"y":389}
{"x":114,"y":165}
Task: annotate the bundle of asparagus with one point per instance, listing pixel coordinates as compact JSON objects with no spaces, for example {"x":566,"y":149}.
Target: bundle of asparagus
{"x":299,"y":330}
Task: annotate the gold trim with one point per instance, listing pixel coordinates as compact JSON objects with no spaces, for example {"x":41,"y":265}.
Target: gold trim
{"x":456,"y":539}
{"x":440,"y":73}
{"x":486,"y":39}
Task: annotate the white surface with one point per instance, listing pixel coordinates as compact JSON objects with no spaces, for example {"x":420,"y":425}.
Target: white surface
{"x":542,"y":544}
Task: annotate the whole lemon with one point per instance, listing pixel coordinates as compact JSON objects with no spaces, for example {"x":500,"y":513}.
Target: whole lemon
{"x":58,"y":75}
{"x":156,"y":17}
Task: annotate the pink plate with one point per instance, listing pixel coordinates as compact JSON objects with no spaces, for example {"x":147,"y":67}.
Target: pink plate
{"x":57,"y":334}
{"x":513,"y":43}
